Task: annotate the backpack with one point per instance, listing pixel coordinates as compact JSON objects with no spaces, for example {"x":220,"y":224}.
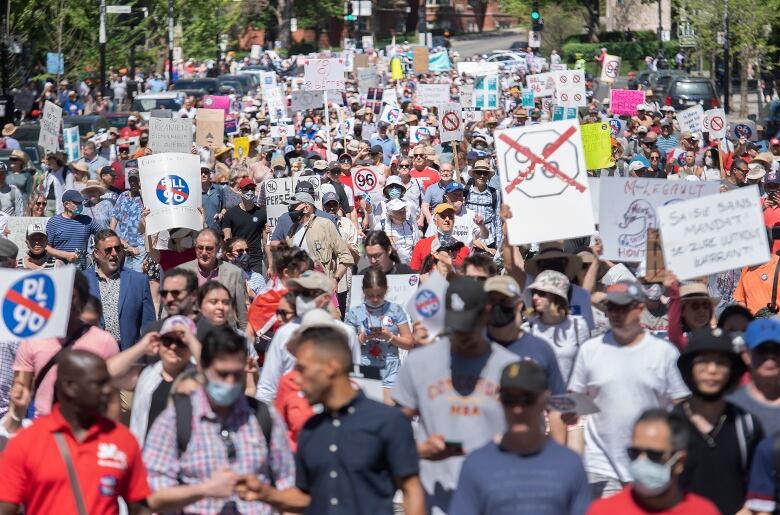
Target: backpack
{"x":746,"y":436}
{"x":183,"y":406}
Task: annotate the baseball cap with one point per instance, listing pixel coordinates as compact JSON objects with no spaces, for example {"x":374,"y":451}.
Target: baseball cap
{"x":320,"y":164}
{"x":330,"y":197}
{"x":633,"y":166}
{"x":774,"y":141}
{"x":36,"y":228}
{"x":304,"y":187}
{"x":377,"y":149}
{"x":394,"y":180}
{"x":300,"y":197}
{"x":761,"y":331}
{"x":625,"y":292}
{"x":8,"y":249}
{"x":72,"y":196}
{"x":312,"y":280}
{"x":169,"y":326}
{"x":108,"y":169}
{"x":442,"y":207}
{"x":345,"y":158}
{"x":245,"y":183}
{"x":453,"y":186}
{"x":641,"y":128}
{"x":641,"y":107}
{"x":133,"y":172}
{"x":524,"y":375}
{"x":503,"y":284}
{"x":464,"y":303}
{"x":395,"y":205}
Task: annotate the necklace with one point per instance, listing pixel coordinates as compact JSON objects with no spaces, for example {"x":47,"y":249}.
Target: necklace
{"x":713,"y":434}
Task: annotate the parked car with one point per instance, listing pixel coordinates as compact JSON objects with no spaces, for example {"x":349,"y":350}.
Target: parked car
{"x":209,"y":85}
{"x":684,"y":92}
{"x":248,"y":82}
{"x":146,"y":102}
{"x":86,"y":124}
{"x":518,"y":45}
{"x":509,"y":60}
{"x":661,"y":79}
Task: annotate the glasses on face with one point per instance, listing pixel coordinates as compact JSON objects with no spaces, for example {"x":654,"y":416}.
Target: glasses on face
{"x":118,"y":249}
{"x":654,"y":158}
{"x":482,"y":174}
{"x":176,"y":293}
{"x":171,"y":341}
{"x":285,"y":315}
{"x":447,"y":214}
{"x":419,"y":157}
{"x":405,"y":166}
{"x":40,"y":203}
{"x":517,"y":398}
{"x":652,"y":454}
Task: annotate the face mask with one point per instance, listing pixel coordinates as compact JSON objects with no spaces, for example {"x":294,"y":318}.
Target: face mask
{"x":394,"y":193}
{"x":248,"y":196}
{"x":79,"y":209}
{"x":374,"y":305}
{"x":502,"y":316}
{"x":278,"y":173}
{"x":296,"y":216}
{"x":223,"y":394}
{"x":242,"y":261}
{"x":304,"y":304}
{"x":144,"y":141}
{"x":308,"y":125}
{"x":650,"y":478}
{"x":708,"y":161}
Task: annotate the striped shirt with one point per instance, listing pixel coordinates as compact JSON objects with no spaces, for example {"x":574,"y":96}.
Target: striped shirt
{"x":23,"y":263}
{"x":71,"y":234}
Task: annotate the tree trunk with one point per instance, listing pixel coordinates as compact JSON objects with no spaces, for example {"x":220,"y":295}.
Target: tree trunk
{"x":592,"y":19}
{"x":283,"y":15}
{"x":743,"y":83}
{"x":413,"y":16}
{"x":480,"y":10}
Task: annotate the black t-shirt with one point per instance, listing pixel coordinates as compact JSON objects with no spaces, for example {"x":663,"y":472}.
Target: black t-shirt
{"x":159,"y":402}
{"x":248,"y":225}
{"x":717,"y":471}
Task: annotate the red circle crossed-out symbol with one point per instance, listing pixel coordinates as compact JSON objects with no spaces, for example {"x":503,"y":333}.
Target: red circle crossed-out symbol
{"x":450,"y":122}
{"x":716,"y":123}
{"x":577,"y":97}
{"x":564,"y":97}
{"x":575,"y":78}
{"x":563,"y":79}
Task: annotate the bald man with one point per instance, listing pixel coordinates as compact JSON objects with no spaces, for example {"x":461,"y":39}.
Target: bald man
{"x":104,"y":455}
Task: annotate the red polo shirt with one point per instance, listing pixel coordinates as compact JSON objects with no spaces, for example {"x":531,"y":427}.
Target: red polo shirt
{"x":428,"y":176}
{"x":108,"y":465}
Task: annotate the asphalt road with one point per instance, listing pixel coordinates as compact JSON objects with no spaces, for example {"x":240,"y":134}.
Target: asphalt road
{"x":470,"y":45}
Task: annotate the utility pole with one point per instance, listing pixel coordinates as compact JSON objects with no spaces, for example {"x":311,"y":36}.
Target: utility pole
{"x":660,"y":23}
{"x":102,"y":41}
{"x":170,"y":41}
{"x":726,"y":59}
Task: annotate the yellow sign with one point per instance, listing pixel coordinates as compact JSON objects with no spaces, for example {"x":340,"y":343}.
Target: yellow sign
{"x":241,"y":147}
{"x":597,"y":145}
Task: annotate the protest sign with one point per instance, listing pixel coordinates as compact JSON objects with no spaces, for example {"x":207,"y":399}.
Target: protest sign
{"x":161,"y":113}
{"x":390,"y":97}
{"x":275,"y":101}
{"x":558,"y":113}
{"x":744,"y":129}
{"x":570,"y":88}
{"x":433,"y":94}
{"x":36,"y":303}
{"x":417,"y":133}
{"x":486,"y":91}
{"x":51,"y":122}
{"x":472,"y":114}
{"x":654,"y":264}
{"x":17,"y":230}
{"x":365,"y":179}
{"x":70,"y":140}
{"x":400,"y":289}
{"x":714,"y":122}
{"x":390,"y":115}
{"x":217,"y":102}
{"x":360,"y":61}
{"x":279,"y":191}
{"x":466,"y":95}
{"x":374,"y":101}
{"x":476,"y":69}
{"x":427,"y":305}
{"x":690,"y":119}
{"x":305,"y":100}
{"x":542,"y":84}
{"x":597,"y":144}
{"x":528,"y":98}
{"x":170,"y":188}
{"x":210,"y":127}
{"x":543,"y":178}
{"x":624,"y":101}
{"x":715,"y":233}
{"x":558,"y":67}
{"x":594,"y":183}
{"x":241,"y":147}
{"x":420,"y":59}
{"x":256,"y":51}
{"x":231,"y":127}
{"x":631,"y":210}
{"x":616,"y":127}
{"x":55,"y":63}
{"x":345,"y":128}
{"x":450,"y":125}
{"x":267,"y":80}
{"x":323,"y":74}
{"x":610,"y":68}
{"x":170,"y":135}
{"x":282,"y":131}
{"x":367,"y":78}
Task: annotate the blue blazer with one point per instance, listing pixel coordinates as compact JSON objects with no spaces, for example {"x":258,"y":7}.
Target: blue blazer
{"x":136,"y":308}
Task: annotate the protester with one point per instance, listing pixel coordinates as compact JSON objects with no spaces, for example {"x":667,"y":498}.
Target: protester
{"x":69,"y":232}
{"x":36,"y":257}
{"x":247,"y":221}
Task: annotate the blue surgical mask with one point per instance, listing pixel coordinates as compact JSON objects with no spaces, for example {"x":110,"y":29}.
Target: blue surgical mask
{"x":394,"y":193}
{"x":223,"y":394}
{"x":374,"y":305}
{"x":308,"y":125}
{"x":651,"y":478}
{"x":242,"y":261}
{"x":79,"y":209}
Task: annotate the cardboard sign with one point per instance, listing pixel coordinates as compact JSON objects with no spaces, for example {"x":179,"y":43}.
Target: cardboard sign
{"x":427,"y":304}
{"x":417,"y":133}
{"x":17,"y":230}
{"x":570,"y":88}
{"x":610,"y":69}
{"x":597,"y":143}
{"x":542,"y":84}
{"x":714,"y":122}
{"x":305,"y":100}
{"x":170,"y":135}
{"x":279,"y":191}
{"x":170,"y":188}
{"x":632,"y":209}
{"x":217,"y":102}
{"x":210,"y":127}
{"x":450,"y":124}
{"x":420,"y":59}
{"x":400,"y":289}
{"x":654,"y":265}
{"x":51,"y":123}
{"x":486,"y":92}
{"x":360,"y":61}
{"x":690,"y":119}
{"x":241,"y":147}
{"x":323,"y":74}
{"x":744,"y":129}
{"x":542,"y":170}
{"x":433,"y":94}
{"x":713,"y":234}
{"x":70,"y":140}
{"x":623,"y":102}
{"x":36,"y":303}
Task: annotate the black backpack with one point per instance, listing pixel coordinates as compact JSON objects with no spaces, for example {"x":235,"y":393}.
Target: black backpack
{"x":493,"y":195}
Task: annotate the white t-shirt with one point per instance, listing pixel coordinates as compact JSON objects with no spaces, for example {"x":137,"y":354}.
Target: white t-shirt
{"x":623,"y":382}
{"x":465,"y":229}
{"x":564,"y":339}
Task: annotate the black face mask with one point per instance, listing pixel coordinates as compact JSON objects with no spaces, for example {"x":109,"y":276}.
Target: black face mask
{"x":502,"y":316}
{"x":143,"y":141}
{"x":296,"y":216}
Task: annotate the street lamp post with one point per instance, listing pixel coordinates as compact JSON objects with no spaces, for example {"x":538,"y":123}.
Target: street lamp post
{"x":102,"y":41}
{"x":170,"y":41}
{"x":726,"y":59}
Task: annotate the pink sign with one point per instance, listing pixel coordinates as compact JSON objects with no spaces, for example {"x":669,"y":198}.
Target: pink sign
{"x":217,"y":102}
{"x":624,"y":101}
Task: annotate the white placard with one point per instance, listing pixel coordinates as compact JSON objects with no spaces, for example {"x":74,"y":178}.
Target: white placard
{"x":170,"y":135}
{"x":390,"y":97}
{"x":365,"y":179}
{"x":558,"y":67}
{"x":713,"y":234}
{"x":17,"y":230}
{"x":594,"y":183}
{"x":466,"y":94}
{"x":390,"y":115}
{"x":275,"y":100}
{"x":714,"y":122}
{"x":543,"y":178}
{"x":690,"y":119}
{"x":427,"y":305}
{"x":279,"y":191}
{"x":433,"y":94}
{"x":570,"y":88}
{"x":51,"y":122}
{"x":477,"y":68}
{"x":345,"y":128}
{"x":267,"y":80}
{"x":610,"y":68}
{"x":632,"y":209}
{"x":36,"y":303}
{"x":70,"y":140}
{"x":367,"y":78}
{"x":542,"y":84}
{"x":450,"y":122}
{"x":256,"y":51}
{"x":400,"y":288}
{"x":323,"y":74}
{"x":170,"y":188}
{"x":305,"y":100}
{"x":472,"y":114}
{"x":417,"y":133}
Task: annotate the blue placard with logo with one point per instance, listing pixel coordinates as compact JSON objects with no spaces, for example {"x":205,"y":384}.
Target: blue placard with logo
{"x":557,"y":113}
{"x":528,"y":98}
{"x":172,"y":190}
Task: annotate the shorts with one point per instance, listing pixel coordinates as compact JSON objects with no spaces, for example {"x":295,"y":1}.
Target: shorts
{"x":388,"y":368}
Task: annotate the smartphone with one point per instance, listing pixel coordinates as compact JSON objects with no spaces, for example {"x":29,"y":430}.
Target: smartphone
{"x":453,"y":447}
{"x":375,"y":330}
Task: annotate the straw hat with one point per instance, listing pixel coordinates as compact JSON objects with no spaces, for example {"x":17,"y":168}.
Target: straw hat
{"x":9,"y":129}
{"x":93,"y":187}
{"x":554,"y":250}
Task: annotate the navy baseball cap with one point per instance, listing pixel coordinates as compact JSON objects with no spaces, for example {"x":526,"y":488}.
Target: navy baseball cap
{"x":453,"y":186}
{"x":72,"y":196}
{"x":762,"y":331}
{"x":329,"y":197}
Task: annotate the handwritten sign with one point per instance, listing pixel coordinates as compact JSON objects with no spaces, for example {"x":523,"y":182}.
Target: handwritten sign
{"x":170,"y":188}
{"x":597,"y":143}
{"x":624,"y":101}
{"x":631,"y":211}
{"x":36,"y":303}
{"x":170,"y":135}
{"x":542,"y":84}
{"x":690,"y":119}
{"x":279,"y":191}
{"x":210,"y":127}
{"x":433,"y":94}
{"x":713,"y":234}
{"x":323,"y":74}
{"x":51,"y":122}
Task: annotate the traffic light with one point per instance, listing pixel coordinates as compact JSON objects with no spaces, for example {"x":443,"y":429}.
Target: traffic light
{"x":350,"y":16}
{"x":536,"y":16}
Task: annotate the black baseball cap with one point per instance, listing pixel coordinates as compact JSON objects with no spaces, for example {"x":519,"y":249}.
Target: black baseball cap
{"x":524,"y":375}
{"x":304,"y":187}
{"x":465,"y":301}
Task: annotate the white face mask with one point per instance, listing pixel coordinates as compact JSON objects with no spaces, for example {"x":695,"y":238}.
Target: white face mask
{"x":651,"y":478}
{"x":303,"y":305}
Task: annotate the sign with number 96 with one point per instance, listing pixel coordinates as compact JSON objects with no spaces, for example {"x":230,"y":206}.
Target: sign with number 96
{"x":366,"y":180}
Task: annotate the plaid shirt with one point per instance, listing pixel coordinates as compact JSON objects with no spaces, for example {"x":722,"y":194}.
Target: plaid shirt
{"x":7,"y":358}
{"x":482,"y":204}
{"x":207,"y":453}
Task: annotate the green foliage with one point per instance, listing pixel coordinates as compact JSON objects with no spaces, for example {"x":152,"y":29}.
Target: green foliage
{"x":633,"y":54}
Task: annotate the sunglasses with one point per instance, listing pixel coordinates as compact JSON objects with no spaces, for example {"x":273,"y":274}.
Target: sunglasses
{"x":310,"y":293}
{"x":170,"y":341}
{"x":404,"y":166}
{"x":652,"y":455}
{"x":447,"y":214}
{"x":481,"y":174}
{"x":175,"y":293}
{"x":518,"y":398}
{"x":284,"y":314}
{"x":111,"y":250}
{"x":40,"y":203}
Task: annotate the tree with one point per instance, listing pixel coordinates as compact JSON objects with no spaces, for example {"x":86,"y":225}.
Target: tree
{"x":567,"y":14}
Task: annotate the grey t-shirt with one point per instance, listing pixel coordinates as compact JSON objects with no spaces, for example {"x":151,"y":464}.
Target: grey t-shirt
{"x":456,"y":397}
{"x":769,"y":416}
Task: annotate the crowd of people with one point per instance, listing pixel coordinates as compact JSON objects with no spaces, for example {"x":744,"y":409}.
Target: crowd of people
{"x":225,"y":370}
